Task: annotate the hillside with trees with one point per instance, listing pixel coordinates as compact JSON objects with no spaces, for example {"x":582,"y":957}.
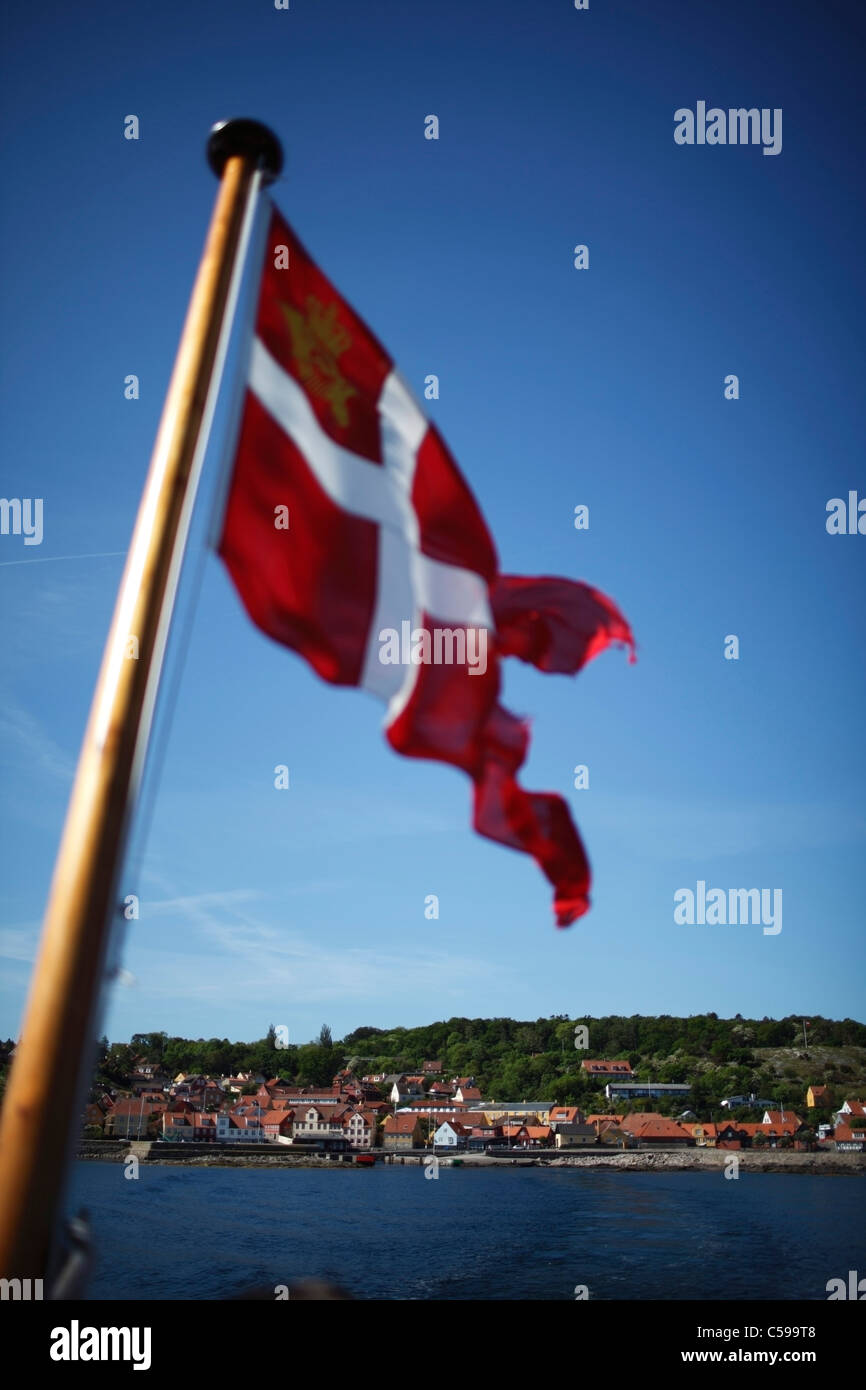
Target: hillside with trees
{"x":517,"y":1060}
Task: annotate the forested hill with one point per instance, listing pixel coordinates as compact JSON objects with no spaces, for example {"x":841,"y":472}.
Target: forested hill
{"x":510,"y":1059}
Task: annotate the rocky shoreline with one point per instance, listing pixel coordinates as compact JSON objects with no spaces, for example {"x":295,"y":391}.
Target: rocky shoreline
{"x":641,"y":1161}
{"x":713,"y":1160}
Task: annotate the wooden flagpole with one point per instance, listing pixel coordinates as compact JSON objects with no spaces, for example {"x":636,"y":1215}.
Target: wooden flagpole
{"x":41,"y":1110}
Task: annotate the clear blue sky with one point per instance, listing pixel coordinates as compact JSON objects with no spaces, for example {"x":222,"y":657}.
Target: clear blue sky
{"x":558,"y":387}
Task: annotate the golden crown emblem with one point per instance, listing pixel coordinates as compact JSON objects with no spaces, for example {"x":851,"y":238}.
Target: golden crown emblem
{"x":318,"y":340}
{"x":323,"y":322}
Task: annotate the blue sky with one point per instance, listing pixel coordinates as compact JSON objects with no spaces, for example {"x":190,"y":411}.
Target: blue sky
{"x":558,"y":387}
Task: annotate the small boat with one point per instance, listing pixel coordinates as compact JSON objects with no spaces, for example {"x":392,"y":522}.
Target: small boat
{"x":365,"y":1160}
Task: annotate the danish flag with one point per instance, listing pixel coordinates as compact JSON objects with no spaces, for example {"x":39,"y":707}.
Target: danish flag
{"x":347,"y":517}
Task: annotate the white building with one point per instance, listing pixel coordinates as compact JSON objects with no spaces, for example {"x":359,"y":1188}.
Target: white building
{"x":447,"y":1137}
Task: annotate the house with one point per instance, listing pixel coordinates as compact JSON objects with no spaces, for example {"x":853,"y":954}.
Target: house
{"x":450,"y":1135}
{"x":656,"y":1131}
{"x":149,"y":1081}
{"x":511,"y":1111}
{"x":653,"y":1090}
{"x":514,"y":1135}
{"x":770,"y":1133}
{"x":703,"y":1132}
{"x":151,"y":1096}
{"x":471,"y":1119}
{"x":374,"y":1120}
{"x":432,"y":1068}
{"x":129,"y":1118}
{"x":202,"y":1091}
{"x":481,"y":1140}
{"x":611,"y":1135}
{"x":741,"y":1102}
{"x":282,"y":1090}
{"x":304,"y":1095}
{"x":402,"y":1132}
{"x":403,"y":1080}
{"x":599,"y":1120}
{"x":732,"y":1135}
{"x":565,"y":1115}
{"x":238,"y":1129}
{"x":318,"y":1122}
{"x":850,"y":1138}
{"x":277,"y":1124}
{"x":852,"y":1107}
{"x":144,"y":1073}
{"x":782,"y":1121}
{"x":538,"y":1136}
{"x":480,"y":1129}
{"x":249,"y":1105}
{"x":575,"y":1135}
{"x":467,"y":1095}
{"x":379,"y":1108}
{"x":235,"y":1084}
{"x":608,"y":1071}
{"x":442,"y":1107}
{"x":818,"y":1096}
{"x":440,"y":1090}
{"x":177,"y":1124}
{"x":359,"y":1129}
{"x":362,"y":1091}
{"x":400,"y":1087}
{"x":521,"y":1136}
{"x":190,"y":1125}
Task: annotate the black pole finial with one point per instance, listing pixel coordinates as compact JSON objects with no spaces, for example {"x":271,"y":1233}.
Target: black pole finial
{"x":250,"y":138}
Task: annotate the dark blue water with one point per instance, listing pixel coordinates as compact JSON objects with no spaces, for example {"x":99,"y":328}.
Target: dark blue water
{"x":392,"y":1233}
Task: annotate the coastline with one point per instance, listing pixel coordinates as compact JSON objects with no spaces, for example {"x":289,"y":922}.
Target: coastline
{"x":633,"y":1161}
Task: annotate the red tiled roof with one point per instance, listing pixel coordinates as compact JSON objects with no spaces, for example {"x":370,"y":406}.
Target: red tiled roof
{"x":134,"y":1107}
{"x":401,"y":1124}
{"x":651,"y":1125}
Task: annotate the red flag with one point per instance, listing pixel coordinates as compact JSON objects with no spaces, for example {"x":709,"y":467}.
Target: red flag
{"x":352,"y":538}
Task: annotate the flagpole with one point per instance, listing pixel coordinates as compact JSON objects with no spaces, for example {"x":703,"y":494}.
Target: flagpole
{"x":40,"y":1116}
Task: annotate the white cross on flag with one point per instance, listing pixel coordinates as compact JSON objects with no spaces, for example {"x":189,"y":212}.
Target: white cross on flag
{"x":352,"y":538}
